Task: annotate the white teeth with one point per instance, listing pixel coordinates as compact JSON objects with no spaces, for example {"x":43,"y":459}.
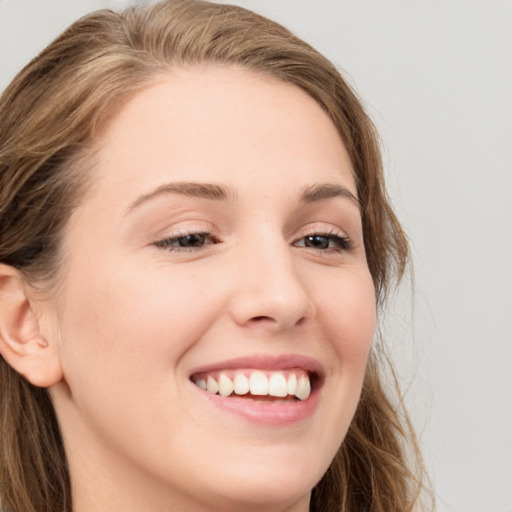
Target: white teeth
{"x":201,"y":383}
{"x":292,"y":384}
{"x":211,"y":385}
{"x":277,"y":385}
{"x":225,"y":385}
{"x":241,"y":384}
{"x":303,"y":388}
{"x":258,"y":383}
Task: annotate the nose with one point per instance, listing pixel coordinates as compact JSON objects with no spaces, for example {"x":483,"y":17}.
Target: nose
{"x":269,"y":290}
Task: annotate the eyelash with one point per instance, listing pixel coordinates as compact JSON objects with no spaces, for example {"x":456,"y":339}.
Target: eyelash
{"x":342,"y":242}
{"x":173,"y":243}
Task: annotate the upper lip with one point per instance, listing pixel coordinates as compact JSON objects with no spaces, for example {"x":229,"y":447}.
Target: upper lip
{"x":265,"y":362}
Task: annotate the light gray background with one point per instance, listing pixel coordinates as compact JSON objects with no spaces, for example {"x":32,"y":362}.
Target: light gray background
{"x":437,"y":79}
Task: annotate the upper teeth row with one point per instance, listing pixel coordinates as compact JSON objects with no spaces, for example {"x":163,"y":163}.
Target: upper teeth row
{"x":257,"y":384}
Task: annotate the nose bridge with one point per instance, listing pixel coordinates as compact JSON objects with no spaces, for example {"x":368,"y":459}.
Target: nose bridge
{"x":268,"y":285}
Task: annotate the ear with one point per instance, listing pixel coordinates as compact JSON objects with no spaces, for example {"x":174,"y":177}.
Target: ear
{"x":22,"y":345}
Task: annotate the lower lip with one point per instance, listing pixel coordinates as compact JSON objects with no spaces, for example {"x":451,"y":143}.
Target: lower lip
{"x":267,"y":413}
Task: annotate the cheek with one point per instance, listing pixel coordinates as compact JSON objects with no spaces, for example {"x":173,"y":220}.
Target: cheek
{"x":347,"y":311}
{"x":129,"y":322}
{"x":124,"y":335}
{"x":346,"y":314}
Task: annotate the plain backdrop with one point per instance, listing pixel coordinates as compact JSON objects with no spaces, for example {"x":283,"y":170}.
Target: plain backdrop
{"x":436,"y":77}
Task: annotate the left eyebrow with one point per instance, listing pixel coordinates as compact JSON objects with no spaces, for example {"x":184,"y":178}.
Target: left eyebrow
{"x":321,"y":191}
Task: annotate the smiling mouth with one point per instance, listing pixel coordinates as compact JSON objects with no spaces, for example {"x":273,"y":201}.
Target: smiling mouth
{"x":284,"y":385}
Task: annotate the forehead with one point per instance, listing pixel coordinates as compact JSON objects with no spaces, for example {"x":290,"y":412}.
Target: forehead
{"x":221,"y":124}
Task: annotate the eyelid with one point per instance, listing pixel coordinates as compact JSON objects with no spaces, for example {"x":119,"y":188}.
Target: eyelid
{"x":183,"y":228}
{"x":168,"y":238}
{"x":320,"y":228}
{"x":166,"y":242}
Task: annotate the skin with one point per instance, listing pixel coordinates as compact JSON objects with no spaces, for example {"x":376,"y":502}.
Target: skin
{"x":132,"y":319}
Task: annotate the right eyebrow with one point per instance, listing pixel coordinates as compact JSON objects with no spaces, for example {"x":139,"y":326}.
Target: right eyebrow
{"x":210,"y":191}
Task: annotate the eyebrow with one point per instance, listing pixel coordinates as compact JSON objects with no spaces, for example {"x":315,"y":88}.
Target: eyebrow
{"x":321,"y":191}
{"x":216,"y":192}
{"x":192,"y":189}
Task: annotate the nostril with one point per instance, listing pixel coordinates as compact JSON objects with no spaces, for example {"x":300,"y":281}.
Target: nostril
{"x":261,"y":318}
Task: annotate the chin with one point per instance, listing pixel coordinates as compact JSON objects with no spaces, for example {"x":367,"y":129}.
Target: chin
{"x":263,"y":495}
{"x":267,"y":487}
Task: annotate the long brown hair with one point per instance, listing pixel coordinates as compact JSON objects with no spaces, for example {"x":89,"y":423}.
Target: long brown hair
{"x":49,"y":118}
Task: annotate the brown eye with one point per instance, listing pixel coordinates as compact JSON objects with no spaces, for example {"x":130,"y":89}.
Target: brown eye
{"x":317,"y":242}
{"x":193,"y":240}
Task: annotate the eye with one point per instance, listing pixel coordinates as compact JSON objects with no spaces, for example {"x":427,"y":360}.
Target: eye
{"x":324,"y":242}
{"x":187,"y":241}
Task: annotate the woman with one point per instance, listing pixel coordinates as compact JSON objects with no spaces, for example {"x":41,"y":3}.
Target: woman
{"x":195,"y":242}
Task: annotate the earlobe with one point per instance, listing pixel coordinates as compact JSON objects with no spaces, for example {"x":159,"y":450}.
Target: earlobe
{"x":22,"y":344}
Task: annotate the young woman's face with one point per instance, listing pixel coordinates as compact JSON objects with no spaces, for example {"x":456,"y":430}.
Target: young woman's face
{"x":220,"y":245}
